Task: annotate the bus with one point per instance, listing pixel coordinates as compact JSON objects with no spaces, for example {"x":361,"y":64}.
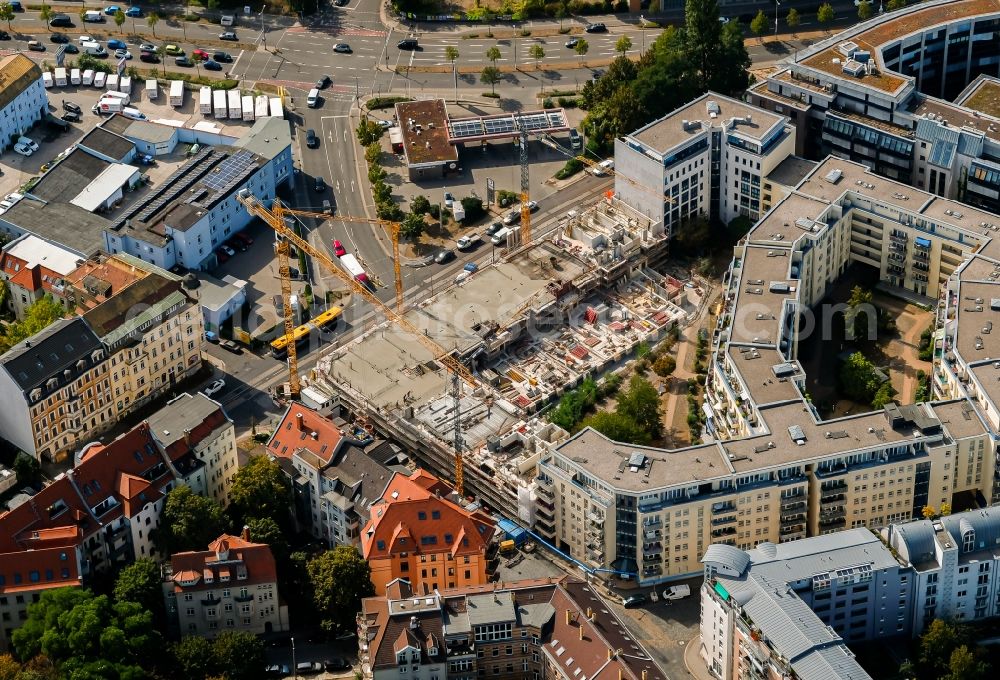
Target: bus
{"x":279,"y":346}
{"x":353,"y":267}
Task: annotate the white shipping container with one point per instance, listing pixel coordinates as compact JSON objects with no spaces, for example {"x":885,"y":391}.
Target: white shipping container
{"x":152,"y":89}
{"x":277,"y":110}
{"x":125,"y":84}
{"x":205,"y":100}
{"x":47,"y":79}
{"x":113,"y":82}
{"x":100,"y":78}
{"x":219,"y":104}
{"x":248,"y":107}
{"x":74,"y":76}
{"x":260,"y":106}
{"x":177,"y":93}
{"x":88,"y":77}
{"x":60,"y":77}
{"x":235,"y":104}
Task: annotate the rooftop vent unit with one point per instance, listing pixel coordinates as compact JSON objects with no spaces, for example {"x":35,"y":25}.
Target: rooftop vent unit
{"x":712,"y":107}
{"x":797,"y":435}
{"x":853,"y":68}
{"x":847,"y":48}
{"x":833,"y":176}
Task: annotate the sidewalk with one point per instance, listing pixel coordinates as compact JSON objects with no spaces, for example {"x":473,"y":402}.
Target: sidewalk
{"x":693,"y":662}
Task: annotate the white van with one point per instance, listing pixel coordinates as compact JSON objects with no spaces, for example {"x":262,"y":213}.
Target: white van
{"x":74,"y":76}
{"x":312,"y":99}
{"x":228,"y":20}
{"x":114,"y":94}
{"x":47,"y":79}
{"x":96,"y":51}
{"x":99,"y":79}
{"x":152,"y":89}
{"x":500,"y":238}
{"x":133,"y":113}
{"x":109,"y":105}
{"x":93,"y":16}
{"x":88,"y":77}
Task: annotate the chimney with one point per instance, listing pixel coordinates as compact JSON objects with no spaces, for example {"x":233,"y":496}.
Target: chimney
{"x":610,"y":654}
{"x":590,"y":612}
{"x":569,"y":616}
{"x":298,"y":421}
{"x":645,"y":674}
{"x":245,"y":534}
{"x":619,"y":673}
{"x":187,"y":438}
{"x":580,"y":626}
{"x":415,"y":624}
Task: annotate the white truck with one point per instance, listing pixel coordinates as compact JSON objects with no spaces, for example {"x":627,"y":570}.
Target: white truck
{"x":152,"y":89}
{"x":205,"y":100}
{"x":260,"y":106}
{"x":120,"y":96}
{"x":676,"y":592}
{"x":112,"y":82}
{"x":125,"y":84}
{"x":176,"y":93}
{"x":248,"y":110}
{"x":235,"y":104}
{"x":88,"y":76}
{"x":277,"y":109}
{"x":74,"y":76}
{"x":110,"y":105}
{"x":100,"y":79}
{"x":219,"y":104}
{"x":60,"y":77}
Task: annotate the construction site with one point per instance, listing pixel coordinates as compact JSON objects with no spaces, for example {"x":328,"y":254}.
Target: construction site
{"x":529,"y":327}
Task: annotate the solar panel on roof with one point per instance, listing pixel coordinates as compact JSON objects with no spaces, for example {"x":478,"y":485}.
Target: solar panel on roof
{"x":228,"y":170}
{"x":636,"y":459}
{"x":496,"y":126}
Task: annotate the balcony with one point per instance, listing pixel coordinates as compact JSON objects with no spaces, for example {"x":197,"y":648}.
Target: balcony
{"x":793,"y":519}
{"x":211,"y":601}
{"x":719,"y":521}
{"x":727,"y":506}
{"x":243,"y":598}
{"x":836,"y":511}
{"x":725,"y":531}
{"x":595,"y":519}
{"x":831,"y":497}
{"x":832,"y":523}
{"x":650,"y":522}
{"x":791,"y":506}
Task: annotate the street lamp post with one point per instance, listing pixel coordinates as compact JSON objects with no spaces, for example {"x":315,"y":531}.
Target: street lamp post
{"x":263,"y":34}
{"x":295,"y":672}
{"x":777,"y":3}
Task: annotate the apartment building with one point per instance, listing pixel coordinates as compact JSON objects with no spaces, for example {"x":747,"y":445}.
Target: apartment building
{"x":557,"y":629}
{"x":418,"y":531}
{"x":98,"y":279}
{"x":23,"y":101}
{"x":231,"y":586}
{"x":32,"y":268}
{"x":198,"y":437}
{"x":789,"y":610}
{"x":708,"y":157}
{"x":334,"y":479}
{"x":954,"y":565}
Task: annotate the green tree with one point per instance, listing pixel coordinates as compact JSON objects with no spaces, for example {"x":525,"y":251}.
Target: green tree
{"x":623,"y":45}
{"x":28,"y":469}
{"x":339,"y":579}
{"x":825,"y":13}
{"x":641,"y":403}
{"x":451,"y":54}
{"x":865,"y":10}
{"x":617,"y":427}
{"x":412,"y":226}
{"x":693,"y":235}
{"x":703,"y":33}
{"x":965,"y":664}
{"x":758,"y":24}
{"x":793,"y":20}
{"x":87,"y":636}
{"x":266,"y":530}
{"x":893,"y":5}
{"x":369,"y":132}
{"x":420,"y":205}
{"x":376,"y":173}
{"x":120,"y":20}
{"x":883,"y":395}
{"x":7,"y":14}
{"x":195,"y":657}
{"x":240,"y":654}
{"x":38,"y":316}
{"x":83,"y":14}
{"x":45,"y":14}
{"x":859,"y":310}
{"x":537,"y":52}
{"x":858,"y":378}
{"x":373,"y":152}
{"x":732,"y":73}
{"x":581,"y":47}
{"x":151,"y":21}
{"x":140,"y":582}
{"x":188,"y":522}
{"x":664,"y":365}
{"x":260,"y":489}
{"x":493,"y":54}
{"x":560,"y":14}
{"x":490,"y":76}
{"x":937,"y":644}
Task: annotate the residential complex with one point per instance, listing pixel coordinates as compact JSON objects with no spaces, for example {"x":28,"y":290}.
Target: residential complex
{"x":32,"y":268}
{"x":231,"y":586}
{"x":334,"y":479}
{"x":418,"y":531}
{"x":557,"y":629}
{"x":101,"y":514}
{"x":23,"y":101}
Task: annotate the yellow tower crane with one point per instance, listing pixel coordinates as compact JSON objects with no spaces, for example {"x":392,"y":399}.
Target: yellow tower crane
{"x":273,"y":217}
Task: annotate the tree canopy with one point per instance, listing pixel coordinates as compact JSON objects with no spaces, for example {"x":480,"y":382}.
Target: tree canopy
{"x":37,"y":317}
{"x":188,"y":522}
{"x":339,"y":579}
{"x":140,"y":582}
{"x":260,"y":489}
{"x":861,"y":381}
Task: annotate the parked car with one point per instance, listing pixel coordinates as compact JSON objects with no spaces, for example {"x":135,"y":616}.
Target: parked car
{"x":147,"y":47}
{"x":61,"y":20}
{"x":215,"y":387}
{"x":323,"y":82}
{"x":123,"y":54}
{"x":149,"y":58}
{"x":200,"y":53}
{"x":338,"y":249}
{"x":634,"y":601}
{"x":228,"y":35}
{"x":245,"y":237}
{"x":72,"y":117}
{"x":84,"y":39}
{"x":407,"y":44}
{"x":230,"y":346}
{"x":533,"y":206}
{"x":513,"y":217}
{"x":133,"y":11}
{"x":596,"y":28}
{"x":28,"y":142}
{"x":572,"y":42}
{"x":183,"y":61}
{"x":223,"y":57}
{"x":236,"y":244}
{"x":172,"y":49}
{"x":116,"y":44}
{"x":71,"y":48}
{"x":211,"y":65}
{"x":70,"y":106}
{"x":384,"y":124}
{"x":4,"y":35}
{"x":23,"y":150}
{"x":494,"y":228}
{"x":36,"y":46}
{"x":221,"y":255}
{"x":343,"y":48}
{"x":308,"y":667}
{"x":471,"y":267}
{"x":112,"y":9}
{"x":445,"y":256}
{"x":603,"y":168}
{"x":227,"y":250}
{"x":277,"y":670}
{"x":449,"y":199}
{"x":337,"y":663}
{"x":327,"y":207}
{"x":319,"y":186}
{"x":59,"y":38}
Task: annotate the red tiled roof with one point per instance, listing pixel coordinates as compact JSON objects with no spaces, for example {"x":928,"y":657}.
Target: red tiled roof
{"x":26,"y":278}
{"x":410,"y":509}
{"x":296,"y":432}
{"x":39,"y":569}
{"x":181,"y":447}
{"x":226,"y":554}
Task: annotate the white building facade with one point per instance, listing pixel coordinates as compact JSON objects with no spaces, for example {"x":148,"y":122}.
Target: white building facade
{"x":23,"y":101}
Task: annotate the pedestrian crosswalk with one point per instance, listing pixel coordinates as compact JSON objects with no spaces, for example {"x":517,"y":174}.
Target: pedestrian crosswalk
{"x":332,"y":29}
